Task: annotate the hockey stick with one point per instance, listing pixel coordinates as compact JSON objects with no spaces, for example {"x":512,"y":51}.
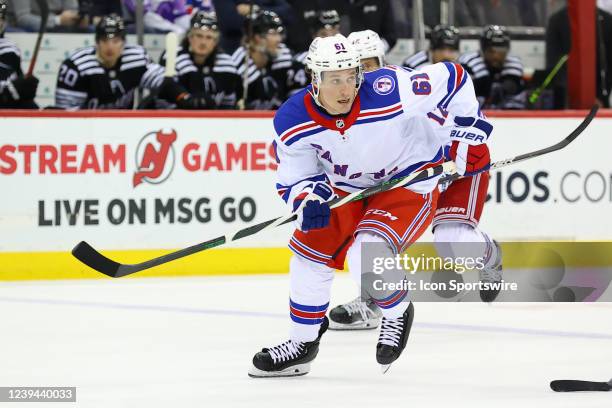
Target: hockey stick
{"x":95,"y":260}
{"x":169,"y":69}
{"x":575,"y":385}
{"x":245,"y":76}
{"x":533,"y":98}
{"x":171,"y":49}
{"x":44,"y":15}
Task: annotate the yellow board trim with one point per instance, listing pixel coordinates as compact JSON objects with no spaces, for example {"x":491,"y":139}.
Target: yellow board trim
{"x":226,"y":261}
{"x":248,"y":261}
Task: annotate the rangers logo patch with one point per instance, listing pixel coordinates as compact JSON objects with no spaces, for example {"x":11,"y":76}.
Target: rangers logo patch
{"x":384,"y":85}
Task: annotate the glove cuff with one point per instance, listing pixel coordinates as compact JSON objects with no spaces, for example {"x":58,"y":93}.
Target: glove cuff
{"x":12,"y":90}
{"x":319,"y":191}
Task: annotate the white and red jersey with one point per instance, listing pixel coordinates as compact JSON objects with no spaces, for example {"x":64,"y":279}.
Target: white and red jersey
{"x":399,"y":123}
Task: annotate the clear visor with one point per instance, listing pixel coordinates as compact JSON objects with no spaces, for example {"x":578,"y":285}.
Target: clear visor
{"x":337,"y":79}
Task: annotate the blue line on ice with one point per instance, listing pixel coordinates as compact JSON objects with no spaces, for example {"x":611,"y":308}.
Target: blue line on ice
{"x":244,"y":313}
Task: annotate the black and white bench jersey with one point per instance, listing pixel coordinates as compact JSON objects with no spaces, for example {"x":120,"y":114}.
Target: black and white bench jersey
{"x":417,"y":60}
{"x":297,"y":77}
{"x":267,"y":86}
{"x":217,"y":80}
{"x":10,"y":69}
{"x":83,"y":83}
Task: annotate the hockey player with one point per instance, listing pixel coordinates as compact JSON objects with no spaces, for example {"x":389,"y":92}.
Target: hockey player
{"x":264,"y":71}
{"x":443,"y":46}
{"x":16,"y":90}
{"x":327,"y":24}
{"x":345,"y":132}
{"x":363,"y":314}
{"x":497,"y":76}
{"x":370,"y":47}
{"x":203,"y":69}
{"x":106,"y":76}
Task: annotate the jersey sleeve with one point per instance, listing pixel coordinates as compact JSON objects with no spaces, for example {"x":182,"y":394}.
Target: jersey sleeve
{"x":71,"y":89}
{"x":445,"y":93}
{"x":298,"y":165}
{"x":10,"y":58}
{"x":512,"y":84}
{"x":153,"y":75}
{"x":229,"y":81}
{"x":10,"y":68}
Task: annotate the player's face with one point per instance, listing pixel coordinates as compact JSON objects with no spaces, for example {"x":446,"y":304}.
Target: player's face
{"x":273,"y":41}
{"x":444,"y":54}
{"x":110,"y":49}
{"x":203,"y":42}
{"x":370,"y":64}
{"x":495,"y":56}
{"x":337,"y":91}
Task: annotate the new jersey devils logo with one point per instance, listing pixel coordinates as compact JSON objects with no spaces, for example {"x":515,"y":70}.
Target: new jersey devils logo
{"x":152,"y":154}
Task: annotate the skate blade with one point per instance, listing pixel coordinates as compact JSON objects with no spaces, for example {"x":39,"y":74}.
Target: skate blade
{"x":384,"y":368}
{"x":368,"y":325}
{"x":295,"y":371}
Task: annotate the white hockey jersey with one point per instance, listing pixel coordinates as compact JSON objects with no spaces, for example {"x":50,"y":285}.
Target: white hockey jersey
{"x":399,"y":123}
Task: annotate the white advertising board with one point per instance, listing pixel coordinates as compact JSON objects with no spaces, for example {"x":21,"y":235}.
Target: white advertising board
{"x":142,"y":183}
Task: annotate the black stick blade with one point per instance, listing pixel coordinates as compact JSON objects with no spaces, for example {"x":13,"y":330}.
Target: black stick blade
{"x":95,"y":260}
{"x":575,"y":385}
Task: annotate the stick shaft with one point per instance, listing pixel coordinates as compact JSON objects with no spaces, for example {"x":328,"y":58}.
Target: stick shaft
{"x":536,"y":94}
{"x":171,"y":49}
{"x":44,"y":15}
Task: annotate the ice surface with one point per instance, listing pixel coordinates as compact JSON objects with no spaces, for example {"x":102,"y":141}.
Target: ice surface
{"x":188,"y":343}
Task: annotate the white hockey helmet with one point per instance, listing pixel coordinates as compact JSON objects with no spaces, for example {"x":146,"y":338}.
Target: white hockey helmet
{"x":369,"y":45}
{"x":333,"y":53}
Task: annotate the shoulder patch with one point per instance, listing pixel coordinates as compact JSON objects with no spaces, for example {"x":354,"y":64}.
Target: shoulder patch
{"x":384,"y":84}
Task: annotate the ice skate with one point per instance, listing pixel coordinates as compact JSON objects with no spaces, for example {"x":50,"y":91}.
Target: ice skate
{"x":393,"y":337}
{"x":492,"y":274}
{"x":288,"y":359}
{"x":355,"y":315}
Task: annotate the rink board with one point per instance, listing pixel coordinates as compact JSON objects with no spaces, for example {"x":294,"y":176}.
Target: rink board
{"x":138,"y":184}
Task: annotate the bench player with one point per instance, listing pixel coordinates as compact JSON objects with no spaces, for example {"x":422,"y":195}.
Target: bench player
{"x":268,"y":62}
{"x":203,"y":69}
{"x":107,"y":75}
{"x":443,"y":46}
{"x":497,"y":75}
{"x":344,"y":132}
{"x":16,"y":90}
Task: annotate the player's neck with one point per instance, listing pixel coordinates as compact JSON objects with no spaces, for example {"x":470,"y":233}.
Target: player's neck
{"x":200,"y":59}
{"x":259,"y":59}
{"x":258,"y":55}
{"x":338,"y":123}
{"x":107,"y":63}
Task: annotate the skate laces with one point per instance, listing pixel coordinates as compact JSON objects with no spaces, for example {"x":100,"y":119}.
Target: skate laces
{"x":285,"y":351}
{"x":391,"y":331}
{"x":357,"y":306}
{"x":491,"y":274}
